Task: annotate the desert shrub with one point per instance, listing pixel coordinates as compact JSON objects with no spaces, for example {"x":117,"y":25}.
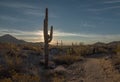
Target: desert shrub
{"x":25,"y":78}
{"x":85,"y":51}
{"x":6,"y":80}
{"x":66,"y":59}
{"x":13,"y":62}
{"x":55,"y":77}
{"x":92,"y":50}
{"x":109,"y":70}
{"x":100,"y":50}
{"x":58,"y":79}
{"x":11,"y":66}
{"x":31,"y":47}
{"x":12,"y":52}
{"x":9,"y":47}
{"x":6,"y":73}
{"x":21,"y":78}
{"x":116,"y":58}
{"x":1,"y":67}
{"x":118,"y":50}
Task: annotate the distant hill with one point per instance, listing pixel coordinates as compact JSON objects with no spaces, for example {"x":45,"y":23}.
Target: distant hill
{"x":114,"y":43}
{"x":10,"y":39}
{"x":110,"y":44}
{"x":99,"y":44}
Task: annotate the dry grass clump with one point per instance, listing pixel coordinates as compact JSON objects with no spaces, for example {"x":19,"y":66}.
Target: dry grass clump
{"x":6,"y":80}
{"x":14,"y":70}
{"x":13,"y":62}
{"x":11,"y":66}
{"x":116,"y":57}
{"x":85,"y":50}
{"x":25,"y":78}
{"x":9,"y":49}
{"x":21,"y":78}
{"x":6,"y":45}
{"x":117,"y":49}
{"x":31,"y":47}
{"x":66,"y":59}
{"x":55,"y":76}
{"x":58,"y":79}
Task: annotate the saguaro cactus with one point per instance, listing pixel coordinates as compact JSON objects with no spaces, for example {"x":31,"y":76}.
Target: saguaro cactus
{"x":47,"y":38}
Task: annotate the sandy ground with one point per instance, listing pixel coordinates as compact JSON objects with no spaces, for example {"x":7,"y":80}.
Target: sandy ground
{"x":92,"y":70}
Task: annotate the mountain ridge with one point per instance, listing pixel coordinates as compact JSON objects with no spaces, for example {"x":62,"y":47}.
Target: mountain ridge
{"x":7,"y":38}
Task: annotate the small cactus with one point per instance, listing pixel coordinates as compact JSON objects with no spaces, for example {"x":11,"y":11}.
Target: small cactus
{"x":47,"y":38}
{"x":61,"y":43}
{"x":57,"y":44}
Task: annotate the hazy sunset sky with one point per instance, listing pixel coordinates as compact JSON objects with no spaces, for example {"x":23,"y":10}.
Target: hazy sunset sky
{"x":85,"y":21}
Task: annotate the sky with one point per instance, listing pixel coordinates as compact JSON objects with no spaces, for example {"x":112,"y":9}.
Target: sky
{"x":86,"y":21}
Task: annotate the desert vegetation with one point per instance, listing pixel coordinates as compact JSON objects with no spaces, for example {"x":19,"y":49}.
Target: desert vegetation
{"x":21,"y":62}
{"x":40,"y":62}
{"x":13,"y":67}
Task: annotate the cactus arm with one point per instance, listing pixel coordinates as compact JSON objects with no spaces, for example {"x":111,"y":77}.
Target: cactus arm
{"x":51,"y":34}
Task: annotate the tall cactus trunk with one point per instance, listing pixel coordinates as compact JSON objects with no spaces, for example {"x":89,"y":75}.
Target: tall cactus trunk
{"x":47,"y":38}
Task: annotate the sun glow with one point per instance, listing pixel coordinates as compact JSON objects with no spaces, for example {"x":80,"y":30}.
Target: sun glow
{"x":66,"y":37}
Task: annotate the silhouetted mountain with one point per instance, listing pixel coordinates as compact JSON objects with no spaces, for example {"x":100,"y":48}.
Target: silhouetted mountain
{"x":10,"y":39}
{"x":37,"y":44}
{"x":99,"y":44}
{"x":114,"y":43}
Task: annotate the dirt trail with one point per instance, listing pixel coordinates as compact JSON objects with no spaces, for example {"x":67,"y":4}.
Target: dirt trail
{"x":93,"y":71}
{"x":89,"y":71}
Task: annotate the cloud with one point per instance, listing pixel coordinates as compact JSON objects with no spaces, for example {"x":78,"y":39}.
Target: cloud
{"x":17,"y":5}
{"x":19,"y":32}
{"x":114,"y":1}
{"x":33,"y":36}
{"x":86,"y":24}
{"x":38,"y":12}
{"x":37,"y":36}
{"x":11,"y":18}
{"x":85,"y":35}
{"x":102,"y":9}
{"x":105,"y":5}
{"x":23,"y":10}
{"x":34,"y":13}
